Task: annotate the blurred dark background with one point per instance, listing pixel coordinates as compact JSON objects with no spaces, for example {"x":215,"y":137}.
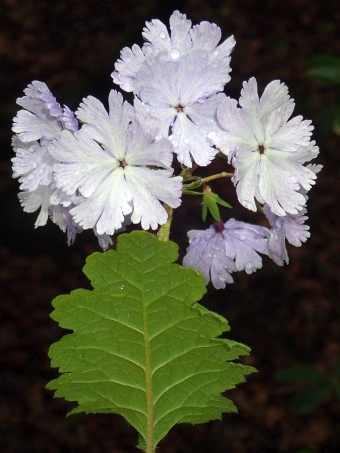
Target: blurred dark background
{"x":288,"y":316}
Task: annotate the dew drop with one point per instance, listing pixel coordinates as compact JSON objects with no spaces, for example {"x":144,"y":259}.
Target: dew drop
{"x":122,"y":287}
{"x":34,"y":165}
{"x":209,"y":255}
{"x":243,"y":237}
{"x":162,"y":35}
{"x":216,"y":52}
{"x":222,"y":275}
{"x":175,"y":53}
{"x":41,"y":171}
{"x":186,"y":140}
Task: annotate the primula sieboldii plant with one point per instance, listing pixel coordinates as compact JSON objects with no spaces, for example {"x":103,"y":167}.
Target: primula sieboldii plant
{"x":104,"y":168}
{"x":117,"y":168}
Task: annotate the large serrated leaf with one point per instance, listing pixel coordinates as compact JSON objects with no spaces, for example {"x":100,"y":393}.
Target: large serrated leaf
{"x":141,"y":346}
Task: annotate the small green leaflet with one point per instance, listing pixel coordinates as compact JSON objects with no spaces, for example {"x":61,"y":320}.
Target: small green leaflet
{"x":141,"y":346}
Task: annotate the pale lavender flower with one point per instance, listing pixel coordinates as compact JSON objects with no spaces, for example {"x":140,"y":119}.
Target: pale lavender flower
{"x":36,"y":127}
{"x":107,"y":161}
{"x":290,"y":227}
{"x":60,"y":215}
{"x":182,"y":40}
{"x":42,"y":117}
{"x":226,"y":248}
{"x":38,"y":198}
{"x":182,"y":95}
{"x":179,"y":78}
{"x":266,"y":148}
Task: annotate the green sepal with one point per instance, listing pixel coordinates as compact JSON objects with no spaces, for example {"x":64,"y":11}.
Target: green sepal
{"x":210,"y":203}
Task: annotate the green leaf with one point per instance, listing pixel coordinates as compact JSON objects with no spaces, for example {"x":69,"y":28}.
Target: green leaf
{"x":309,"y":398}
{"x":324,"y":60}
{"x":300,"y":373}
{"x":326,"y":74}
{"x":141,"y":346}
{"x":325,"y":68}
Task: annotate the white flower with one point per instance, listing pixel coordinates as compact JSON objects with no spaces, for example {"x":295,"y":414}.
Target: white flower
{"x":181,"y":41}
{"x":226,"y":248}
{"x":266,"y":148}
{"x":107,"y":163}
{"x":37,"y":126}
{"x":184,"y":96}
{"x":179,"y":78}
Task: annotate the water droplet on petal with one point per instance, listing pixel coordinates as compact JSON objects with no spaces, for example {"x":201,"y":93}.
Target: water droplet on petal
{"x":34,"y":165}
{"x":175,"y":53}
{"x":186,"y":140}
{"x":222,"y":275}
{"x":243,"y":237}
{"x":122,"y":287}
{"x":216,"y":52}
{"x":162,"y":35}
{"x":30,"y":177}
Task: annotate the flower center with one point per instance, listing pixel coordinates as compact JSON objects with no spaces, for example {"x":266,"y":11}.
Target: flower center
{"x":122,"y":163}
{"x":218,"y":226}
{"x":261,"y":149}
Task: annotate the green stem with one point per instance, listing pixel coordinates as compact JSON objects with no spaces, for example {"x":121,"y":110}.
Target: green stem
{"x":164,"y":231}
{"x":223,"y":174}
{"x":187,"y":172}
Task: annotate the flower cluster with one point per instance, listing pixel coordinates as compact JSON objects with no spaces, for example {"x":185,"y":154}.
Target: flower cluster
{"x":117,"y":168}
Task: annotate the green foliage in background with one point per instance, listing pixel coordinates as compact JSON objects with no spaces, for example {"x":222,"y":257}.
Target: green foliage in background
{"x":317,"y":386}
{"x":326,"y":69}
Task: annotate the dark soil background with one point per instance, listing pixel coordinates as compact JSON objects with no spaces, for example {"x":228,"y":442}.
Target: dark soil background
{"x":288,"y":315}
